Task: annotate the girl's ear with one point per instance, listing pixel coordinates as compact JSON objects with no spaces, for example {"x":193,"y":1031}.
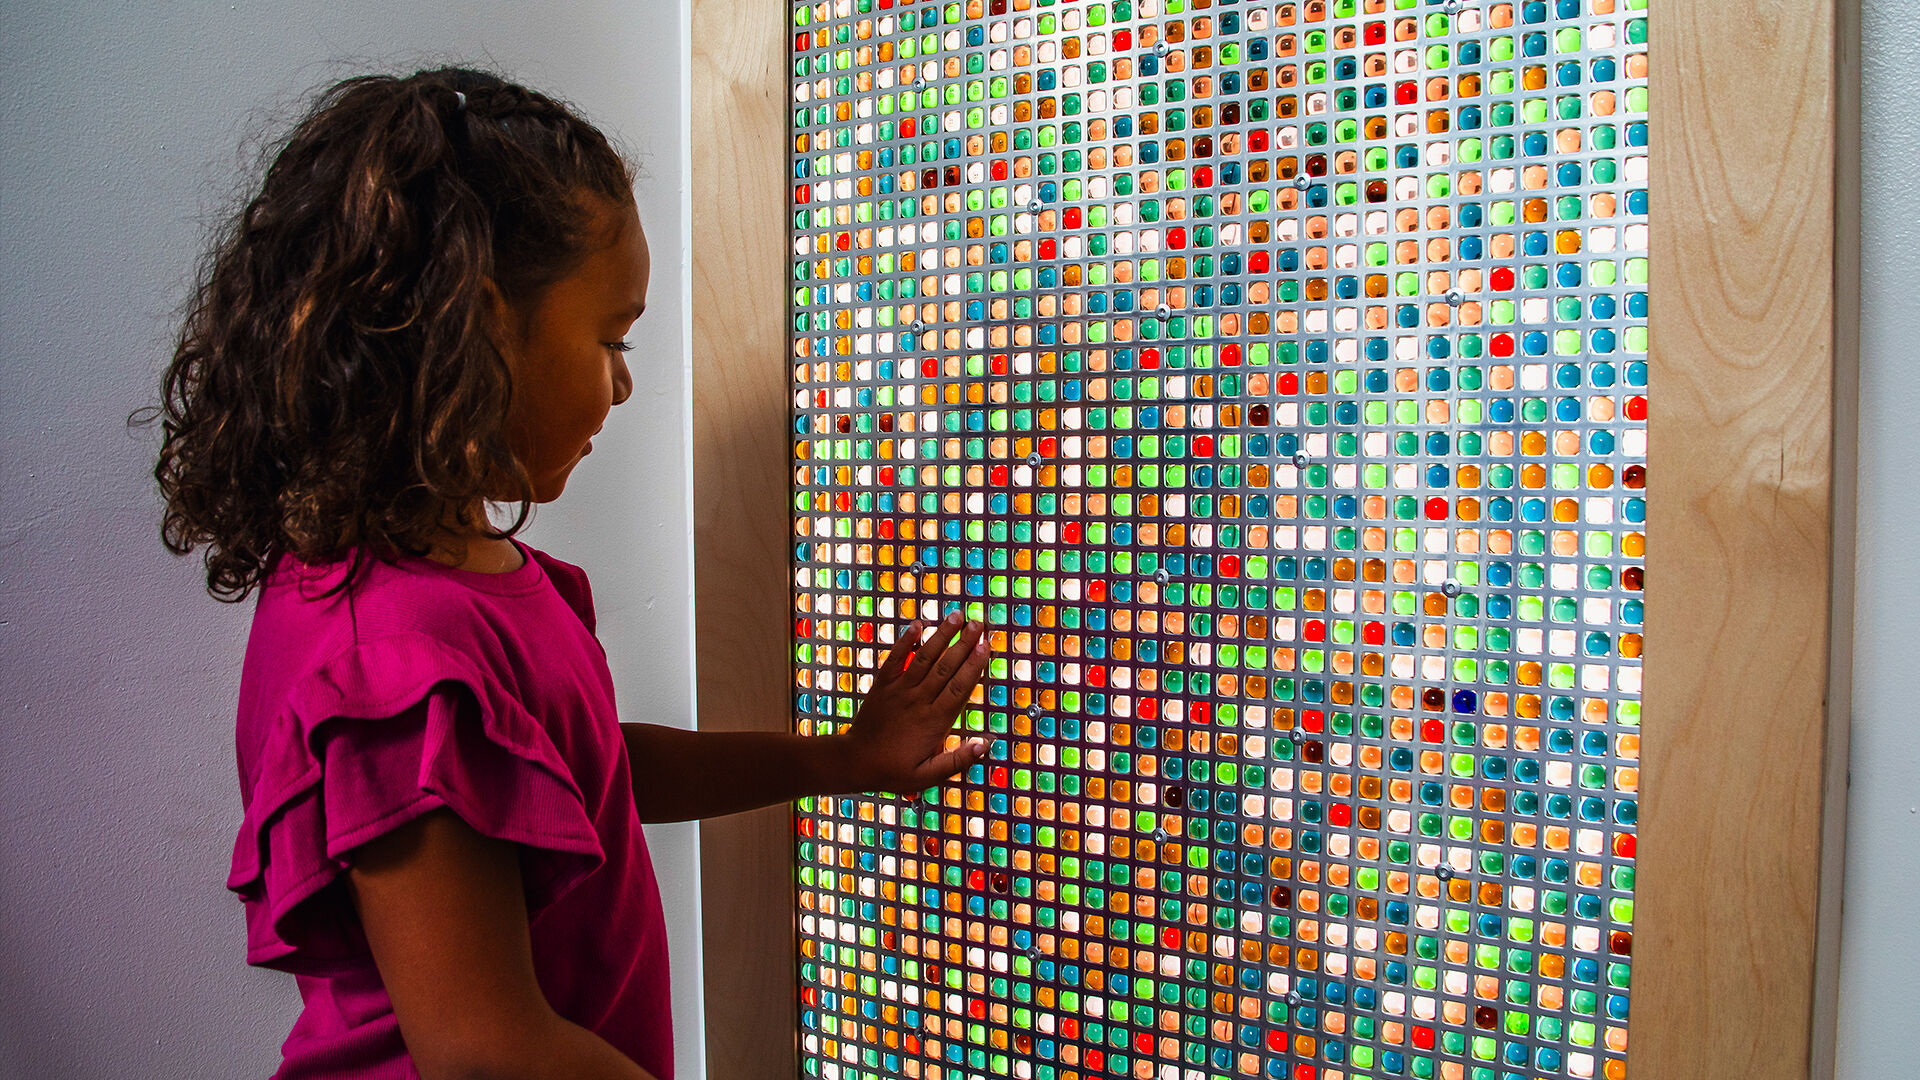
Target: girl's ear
{"x":505,"y":322}
{"x":497,"y":305}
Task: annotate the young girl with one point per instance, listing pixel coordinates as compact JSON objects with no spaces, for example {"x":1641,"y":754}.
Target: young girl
{"x":422,"y":313}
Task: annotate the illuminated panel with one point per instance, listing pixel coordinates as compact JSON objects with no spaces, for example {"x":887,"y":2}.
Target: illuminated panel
{"x":1271,"y":379}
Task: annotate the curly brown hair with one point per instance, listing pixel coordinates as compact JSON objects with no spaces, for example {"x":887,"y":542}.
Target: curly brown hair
{"x":338,"y":381}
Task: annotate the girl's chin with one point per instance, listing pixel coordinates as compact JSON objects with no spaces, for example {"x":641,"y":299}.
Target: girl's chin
{"x":548,"y":489}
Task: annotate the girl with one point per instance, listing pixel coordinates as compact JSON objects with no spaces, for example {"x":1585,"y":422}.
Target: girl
{"x":422,"y":313}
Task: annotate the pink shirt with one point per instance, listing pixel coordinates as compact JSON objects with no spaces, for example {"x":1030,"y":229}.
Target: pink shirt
{"x":426,"y":686}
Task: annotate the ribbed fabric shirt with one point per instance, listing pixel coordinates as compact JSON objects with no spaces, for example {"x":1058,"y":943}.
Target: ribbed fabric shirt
{"x":426,"y":686}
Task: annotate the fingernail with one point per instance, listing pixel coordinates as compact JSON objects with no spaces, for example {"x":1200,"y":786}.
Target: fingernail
{"x":980,"y":646}
{"x":974,"y":625}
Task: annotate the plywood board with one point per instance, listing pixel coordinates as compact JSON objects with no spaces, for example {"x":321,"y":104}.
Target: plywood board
{"x":740,"y":499}
{"x":1744,"y":324}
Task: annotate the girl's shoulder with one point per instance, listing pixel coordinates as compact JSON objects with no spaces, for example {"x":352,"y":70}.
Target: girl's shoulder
{"x":312,"y":603}
{"x":414,"y":619}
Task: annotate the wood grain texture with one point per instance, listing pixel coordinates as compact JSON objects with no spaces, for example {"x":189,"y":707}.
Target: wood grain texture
{"x":1743,"y":330}
{"x":740,"y":492}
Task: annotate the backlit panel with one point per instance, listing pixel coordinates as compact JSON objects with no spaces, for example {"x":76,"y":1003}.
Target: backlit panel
{"x":1271,"y":379}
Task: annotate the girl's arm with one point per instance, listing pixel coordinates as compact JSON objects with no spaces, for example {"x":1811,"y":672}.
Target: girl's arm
{"x":447,"y":922}
{"x":895,"y":742}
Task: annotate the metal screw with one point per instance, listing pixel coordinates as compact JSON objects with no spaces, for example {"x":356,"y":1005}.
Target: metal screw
{"x":1159,"y":836}
{"x":1033,"y":460}
{"x":1452,"y":7}
{"x":1294,"y":735}
{"x":1303,"y":181}
{"x":1293,"y":997}
{"x":1450,"y":588}
{"x":1033,"y":951}
{"x":1300,"y":460}
{"x":1162,"y":576}
{"x":1034,"y":204}
{"x":1456,"y":297}
{"x":1444,"y":873}
{"x":1160,"y":48}
{"x":918,"y":326}
{"x":1161,"y":312}
{"x":1033,"y":712}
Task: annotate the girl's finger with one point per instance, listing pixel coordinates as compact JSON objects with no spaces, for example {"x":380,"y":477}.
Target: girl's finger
{"x":956,"y":655}
{"x":931,"y":649}
{"x":946,"y":763}
{"x":897,"y":656}
{"x":960,"y":686}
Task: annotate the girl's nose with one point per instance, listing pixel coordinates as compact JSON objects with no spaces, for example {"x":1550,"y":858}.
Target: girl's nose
{"x":622,"y":379}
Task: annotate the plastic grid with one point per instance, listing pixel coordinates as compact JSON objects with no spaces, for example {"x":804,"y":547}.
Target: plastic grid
{"x":1271,"y":379}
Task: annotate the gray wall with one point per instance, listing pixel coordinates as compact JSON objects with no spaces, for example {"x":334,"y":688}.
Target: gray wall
{"x":1880,"y":939}
{"x":121,"y":953}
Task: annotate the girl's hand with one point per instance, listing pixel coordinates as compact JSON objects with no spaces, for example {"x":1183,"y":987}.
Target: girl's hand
{"x":897,"y":738}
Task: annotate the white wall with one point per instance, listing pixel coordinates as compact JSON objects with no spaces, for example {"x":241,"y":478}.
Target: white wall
{"x":121,"y":953}
{"x":1880,"y":939}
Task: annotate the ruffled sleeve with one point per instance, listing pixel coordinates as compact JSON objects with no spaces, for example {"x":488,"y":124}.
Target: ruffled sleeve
{"x":379,"y":735}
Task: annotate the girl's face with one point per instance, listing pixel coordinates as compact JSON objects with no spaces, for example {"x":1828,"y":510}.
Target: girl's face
{"x":570,"y":368}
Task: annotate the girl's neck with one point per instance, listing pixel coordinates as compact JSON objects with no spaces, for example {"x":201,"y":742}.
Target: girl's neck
{"x":480,"y":554}
{"x":473,"y":550}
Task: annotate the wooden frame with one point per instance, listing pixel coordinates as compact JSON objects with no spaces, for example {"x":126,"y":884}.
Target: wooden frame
{"x":741,"y":492}
{"x":1753,"y":324}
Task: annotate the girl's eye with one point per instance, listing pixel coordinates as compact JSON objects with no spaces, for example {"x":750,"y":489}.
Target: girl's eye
{"x":620,"y":346}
